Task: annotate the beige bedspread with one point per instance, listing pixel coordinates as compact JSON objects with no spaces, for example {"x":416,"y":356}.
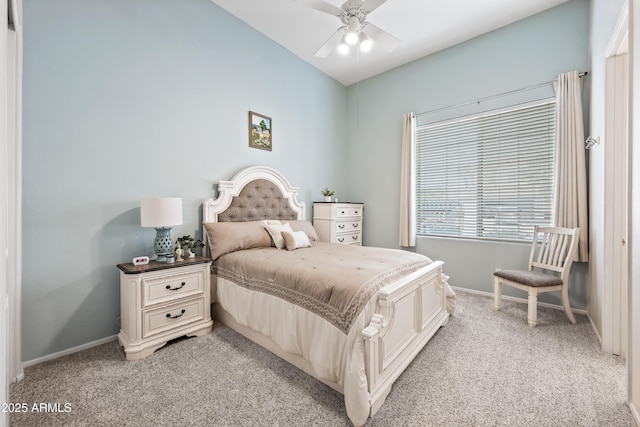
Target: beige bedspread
{"x":331,"y":280}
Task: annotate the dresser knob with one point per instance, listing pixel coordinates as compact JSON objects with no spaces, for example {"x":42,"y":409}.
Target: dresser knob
{"x":341,"y":239}
{"x":341,"y":226}
{"x":355,"y":225}
{"x":354,"y":237}
{"x":177,"y":315}
{"x":175,"y":289}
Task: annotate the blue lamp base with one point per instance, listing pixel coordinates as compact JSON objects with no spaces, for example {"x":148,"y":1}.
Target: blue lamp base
{"x":163,"y":245}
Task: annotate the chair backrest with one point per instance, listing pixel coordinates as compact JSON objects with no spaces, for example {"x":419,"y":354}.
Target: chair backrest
{"x":554,"y":248}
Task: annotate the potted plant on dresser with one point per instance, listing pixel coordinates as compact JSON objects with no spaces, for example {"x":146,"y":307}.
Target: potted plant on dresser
{"x":188,"y":244}
{"x":327,"y":194}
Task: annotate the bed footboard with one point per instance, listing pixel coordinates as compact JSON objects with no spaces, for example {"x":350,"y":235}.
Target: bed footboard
{"x":408,"y":314}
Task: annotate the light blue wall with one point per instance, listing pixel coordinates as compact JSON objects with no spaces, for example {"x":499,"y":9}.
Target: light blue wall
{"x":131,"y":99}
{"x":528,"y":52}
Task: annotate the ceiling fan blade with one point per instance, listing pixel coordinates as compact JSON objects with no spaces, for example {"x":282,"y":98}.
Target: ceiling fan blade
{"x":323,"y":6}
{"x":386,"y":40}
{"x":330,"y":44}
{"x":371,"y":5}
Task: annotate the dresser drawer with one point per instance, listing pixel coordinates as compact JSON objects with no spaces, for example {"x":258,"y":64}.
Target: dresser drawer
{"x":169,"y":317}
{"x":165,"y":289}
{"x":348,"y":211}
{"x":349,"y":238}
{"x":348,"y":226}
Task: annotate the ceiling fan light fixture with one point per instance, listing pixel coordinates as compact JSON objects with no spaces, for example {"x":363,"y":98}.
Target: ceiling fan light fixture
{"x":365,"y":42}
{"x":343,"y":47}
{"x":352,"y":31}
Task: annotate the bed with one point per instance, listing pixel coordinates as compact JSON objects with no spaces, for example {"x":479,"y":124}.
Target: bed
{"x":353,"y":317}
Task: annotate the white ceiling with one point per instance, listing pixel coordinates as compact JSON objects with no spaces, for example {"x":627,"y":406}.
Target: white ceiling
{"x":423,"y":26}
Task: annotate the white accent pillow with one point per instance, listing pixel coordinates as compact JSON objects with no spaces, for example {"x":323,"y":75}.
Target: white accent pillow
{"x":270,"y":222}
{"x":275,"y":231}
{"x":295,"y":240}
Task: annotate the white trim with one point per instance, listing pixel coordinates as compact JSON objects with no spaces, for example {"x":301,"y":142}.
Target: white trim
{"x":517,"y":299}
{"x":619,"y":41}
{"x":595,"y":330}
{"x":614,"y":321}
{"x":70,"y":351}
{"x":14,"y":259}
{"x":634,"y":413}
{"x":615,"y":259}
{"x":20,"y":377}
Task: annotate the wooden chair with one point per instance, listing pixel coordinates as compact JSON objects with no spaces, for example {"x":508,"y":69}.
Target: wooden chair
{"x":555,"y":252}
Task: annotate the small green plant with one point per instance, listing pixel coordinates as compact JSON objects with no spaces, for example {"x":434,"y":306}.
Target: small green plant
{"x":188,"y":242}
{"x":328,"y":193}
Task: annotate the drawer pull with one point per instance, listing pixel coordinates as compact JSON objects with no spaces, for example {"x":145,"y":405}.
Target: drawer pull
{"x":355,"y":225}
{"x":177,"y":315}
{"x":342,"y":212}
{"x":340,"y":239}
{"x":341,"y":226}
{"x":356,"y":212}
{"x":354,"y":237}
{"x":175,"y":289}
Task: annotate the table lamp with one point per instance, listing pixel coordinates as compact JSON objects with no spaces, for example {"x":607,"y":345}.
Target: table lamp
{"x":161,"y":213}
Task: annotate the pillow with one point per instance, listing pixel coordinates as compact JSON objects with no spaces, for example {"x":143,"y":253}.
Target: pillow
{"x":295,"y":240}
{"x":307,"y":227}
{"x":226,"y":237}
{"x":275,"y":231}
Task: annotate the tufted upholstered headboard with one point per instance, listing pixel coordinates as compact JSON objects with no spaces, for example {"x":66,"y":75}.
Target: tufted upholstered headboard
{"x":254,"y":194}
{"x":259,"y":199}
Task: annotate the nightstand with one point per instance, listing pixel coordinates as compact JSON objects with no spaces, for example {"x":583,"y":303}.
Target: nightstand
{"x":338,"y":222}
{"x":160,"y":302}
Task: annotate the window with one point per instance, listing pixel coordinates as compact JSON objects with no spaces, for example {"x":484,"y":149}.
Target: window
{"x":488,"y":176}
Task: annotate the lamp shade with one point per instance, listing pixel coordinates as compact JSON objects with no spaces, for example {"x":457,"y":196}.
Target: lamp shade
{"x":161,"y":212}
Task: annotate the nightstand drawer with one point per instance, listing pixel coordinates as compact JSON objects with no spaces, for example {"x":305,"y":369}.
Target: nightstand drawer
{"x":349,"y":238}
{"x":345,"y":212}
{"x":348,"y":226}
{"x":169,"y":317}
{"x":168,"y":288}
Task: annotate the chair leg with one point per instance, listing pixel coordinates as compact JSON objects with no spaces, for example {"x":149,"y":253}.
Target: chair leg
{"x":565,"y":304}
{"x":533,"y":307}
{"x":497,"y":293}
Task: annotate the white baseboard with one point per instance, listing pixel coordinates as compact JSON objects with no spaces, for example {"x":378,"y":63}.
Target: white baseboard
{"x":520,"y":300}
{"x":595,"y":331}
{"x":68,"y":351}
{"x":634,"y":413}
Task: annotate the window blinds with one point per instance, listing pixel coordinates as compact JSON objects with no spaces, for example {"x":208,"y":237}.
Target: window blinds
{"x":488,"y":176}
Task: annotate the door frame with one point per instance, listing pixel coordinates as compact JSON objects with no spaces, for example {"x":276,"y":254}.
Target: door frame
{"x":616,"y":178}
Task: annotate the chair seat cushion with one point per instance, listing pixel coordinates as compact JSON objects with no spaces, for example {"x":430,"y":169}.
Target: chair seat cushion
{"x":529,"y":278}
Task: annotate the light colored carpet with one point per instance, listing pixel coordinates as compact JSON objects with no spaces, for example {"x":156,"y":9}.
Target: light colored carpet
{"x":484,"y":368}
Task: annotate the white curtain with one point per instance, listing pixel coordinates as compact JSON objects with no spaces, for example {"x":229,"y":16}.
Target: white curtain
{"x":408,"y":183}
{"x":571,"y":175}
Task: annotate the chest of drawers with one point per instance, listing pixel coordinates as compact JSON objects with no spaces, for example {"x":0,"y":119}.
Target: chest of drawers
{"x":338,"y":222}
{"x":160,"y":302}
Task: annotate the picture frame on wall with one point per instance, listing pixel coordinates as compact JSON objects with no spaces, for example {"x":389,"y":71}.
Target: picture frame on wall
{"x":260,"y":131}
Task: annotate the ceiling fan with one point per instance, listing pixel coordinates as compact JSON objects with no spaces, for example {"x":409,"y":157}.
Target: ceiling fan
{"x":356,"y":30}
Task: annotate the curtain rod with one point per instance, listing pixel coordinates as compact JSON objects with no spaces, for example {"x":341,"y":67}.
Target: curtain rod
{"x":581,"y":74}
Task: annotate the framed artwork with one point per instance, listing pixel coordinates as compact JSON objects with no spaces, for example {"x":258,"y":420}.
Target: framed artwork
{"x":260,"y":129}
